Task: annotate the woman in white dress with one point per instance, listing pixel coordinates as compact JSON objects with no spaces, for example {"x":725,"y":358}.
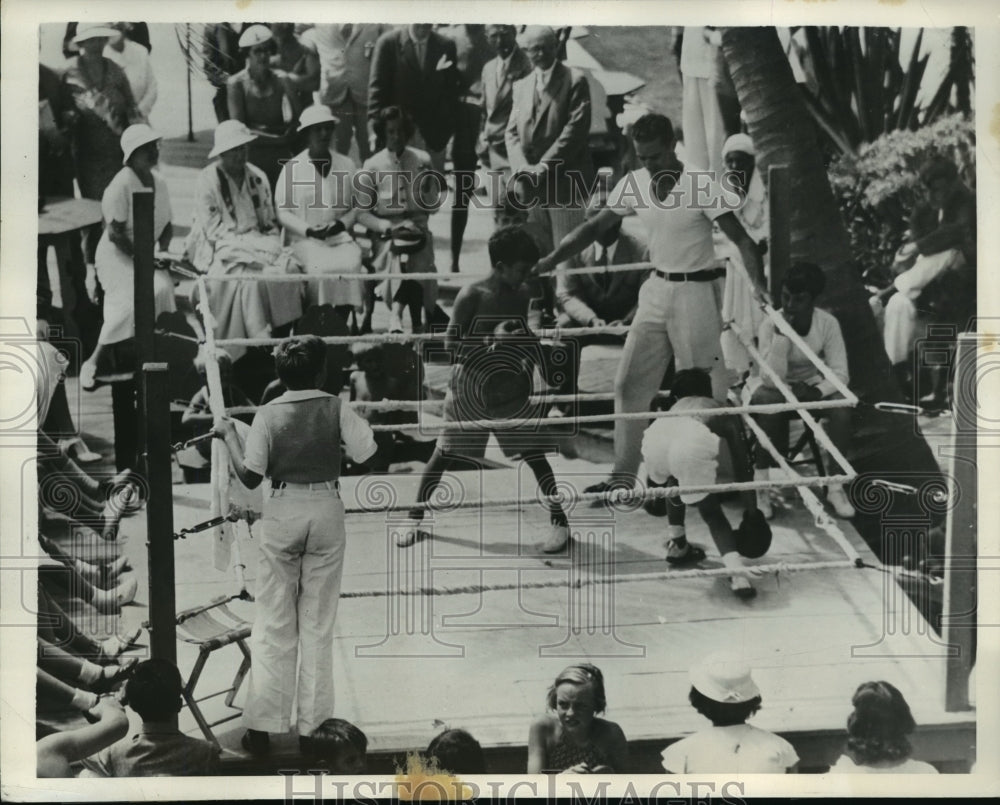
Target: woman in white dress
{"x":116,"y":251}
{"x":315,"y":201}
{"x":235,"y":231}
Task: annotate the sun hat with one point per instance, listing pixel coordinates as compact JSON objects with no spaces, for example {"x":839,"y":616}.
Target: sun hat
{"x":739,"y":142}
{"x":94,"y":30}
{"x":230,"y":134}
{"x":724,"y":678}
{"x":136,"y":136}
{"x":255,"y":35}
{"x":315,"y":115}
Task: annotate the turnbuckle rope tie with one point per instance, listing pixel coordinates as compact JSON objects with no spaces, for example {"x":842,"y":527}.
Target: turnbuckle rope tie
{"x":205,"y":525}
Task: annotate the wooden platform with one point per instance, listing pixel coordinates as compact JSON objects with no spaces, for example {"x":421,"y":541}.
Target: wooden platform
{"x":484,"y":660}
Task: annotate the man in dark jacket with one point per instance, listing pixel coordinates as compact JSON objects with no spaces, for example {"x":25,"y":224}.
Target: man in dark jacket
{"x":417,"y":69}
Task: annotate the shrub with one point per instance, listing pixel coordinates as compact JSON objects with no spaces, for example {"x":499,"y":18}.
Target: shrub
{"x":878,"y":189}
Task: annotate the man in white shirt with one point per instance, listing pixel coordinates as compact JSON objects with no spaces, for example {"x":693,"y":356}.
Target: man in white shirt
{"x":133,"y":58}
{"x":679,"y":304}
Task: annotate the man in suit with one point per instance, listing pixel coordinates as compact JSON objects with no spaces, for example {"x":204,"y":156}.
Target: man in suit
{"x":474,"y":51}
{"x":547,"y":141}
{"x":511,"y":64}
{"x":344,"y":52}
{"x":593,"y":300}
{"x":416,"y":69}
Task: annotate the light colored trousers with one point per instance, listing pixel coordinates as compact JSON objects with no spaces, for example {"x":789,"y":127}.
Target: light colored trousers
{"x":679,"y":320}
{"x":298,"y":589}
{"x":901,"y":315}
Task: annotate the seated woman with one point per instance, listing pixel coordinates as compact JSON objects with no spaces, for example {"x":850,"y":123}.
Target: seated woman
{"x":940,"y":286}
{"x":115,"y":250}
{"x":400,"y":200}
{"x":572,"y":739}
{"x":800,"y":288}
{"x":877,"y":731}
{"x":258,"y":96}
{"x":235,"y":232}
{"x":315,"y":198}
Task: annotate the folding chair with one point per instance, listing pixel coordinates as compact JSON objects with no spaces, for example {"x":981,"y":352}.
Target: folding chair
{"x":212,"y":627}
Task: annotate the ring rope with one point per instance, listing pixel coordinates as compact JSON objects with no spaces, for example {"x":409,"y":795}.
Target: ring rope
{"x":416,"y":275}
{"x":419,"y":405}
{"x":614,"y":496}
{"x":550,"y":333}
{"x":693,"y":573}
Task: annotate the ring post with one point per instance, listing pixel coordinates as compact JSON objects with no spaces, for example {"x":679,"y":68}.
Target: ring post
{"x":159,"y":512}
{"x":960,"y":594}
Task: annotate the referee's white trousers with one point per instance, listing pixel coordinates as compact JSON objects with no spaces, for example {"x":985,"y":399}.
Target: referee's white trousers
{"x":679,"y":320}
{"x":297,"y":593}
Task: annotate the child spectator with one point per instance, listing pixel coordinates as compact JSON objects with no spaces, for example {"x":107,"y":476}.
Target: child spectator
{"x":723,"y":691}
{"x":877,"y":733}
{"x":55,"y":753}
{"x":575,"y":740}
{"x":338,"y":747}
{"x":389,"y":372}
{"x":295,"y":441}
{"x":456,"y":752}
{"x":158,"y":748}
{"x":685,"y":451}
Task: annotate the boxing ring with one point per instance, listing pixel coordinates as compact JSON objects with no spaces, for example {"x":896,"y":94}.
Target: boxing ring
{"x":399,"y":605}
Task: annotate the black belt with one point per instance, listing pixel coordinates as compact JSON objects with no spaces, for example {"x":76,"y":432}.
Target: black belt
{"x":705,"y":275}
{"x":276,"y":484}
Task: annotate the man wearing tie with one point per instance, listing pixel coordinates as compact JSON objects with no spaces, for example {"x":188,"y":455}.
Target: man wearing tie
{"x":511,"y":64}
{"x":547,"y":142}
{"x":344,"y":52}
{"x":416,"y":69}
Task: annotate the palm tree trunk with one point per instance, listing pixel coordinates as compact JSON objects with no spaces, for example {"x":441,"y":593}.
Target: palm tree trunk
{"x":784,"y":134}
{"x":884,"y":446}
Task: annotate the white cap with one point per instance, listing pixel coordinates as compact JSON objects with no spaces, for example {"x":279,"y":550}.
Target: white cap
{"x":724,"y":678}
{"x":738,"y":142}
{"x":94,"y":30}
{"x":315,"y":115}
{"x":255,"y":35}
{"x":230,"y":134}
{"x":136,"y":136}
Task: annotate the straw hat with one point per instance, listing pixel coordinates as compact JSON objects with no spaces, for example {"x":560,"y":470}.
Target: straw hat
{"x":136,"y":136}
{"x":315,"y":115}
{"x":94,"y":30}
{"x":230,"y":134}
{"x":255,"y":35}
{"x":724,"y":678}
